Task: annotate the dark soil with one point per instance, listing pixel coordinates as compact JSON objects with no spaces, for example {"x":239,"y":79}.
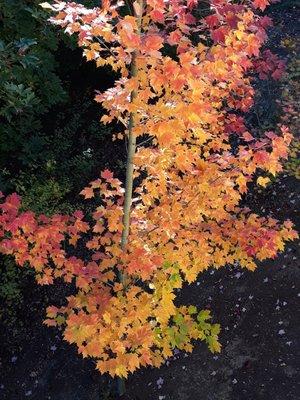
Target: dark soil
{"x":258,"y":313}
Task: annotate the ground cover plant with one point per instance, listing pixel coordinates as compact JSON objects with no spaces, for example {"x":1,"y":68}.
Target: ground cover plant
{"x":190,"y":158}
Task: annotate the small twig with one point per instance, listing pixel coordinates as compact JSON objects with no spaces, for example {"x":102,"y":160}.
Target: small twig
{"x":106,"y":47}
{"x":145,"y":141}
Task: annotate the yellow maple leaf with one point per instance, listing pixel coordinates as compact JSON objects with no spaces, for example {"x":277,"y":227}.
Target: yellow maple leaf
{"x":263,"y":181}
{"x":106,"y":317}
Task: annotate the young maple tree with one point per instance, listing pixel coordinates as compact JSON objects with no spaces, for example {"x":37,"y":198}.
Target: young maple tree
{"x":190,"y":160}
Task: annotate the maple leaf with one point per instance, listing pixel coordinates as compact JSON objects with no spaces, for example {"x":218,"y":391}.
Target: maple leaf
{"x":263,"y":181}
{"x":214,"y":345}
{"x":78,"y":214}
{"x":261,"y":157}
{"x":133,"y":362}
{"x":106,"y":317}
{"x":218,"y":35}
{"x":261,"y":4}
{"x":88,"y":193}
{"x":242,"y":182}
{"x":212,"y":20}
{"x":121,"y":371}
{"x":248,"y":137}
{"x":152,"y":43}
{"x":157,"y":16}
{"x":174,"y":37}
{"x":107,"y":174}
{"x":52,"y":311}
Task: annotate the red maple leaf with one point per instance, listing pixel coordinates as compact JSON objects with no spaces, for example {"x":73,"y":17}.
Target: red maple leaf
{"x":212,"y":20}
{"x":261,"y":4}
{"x":107,"y":174}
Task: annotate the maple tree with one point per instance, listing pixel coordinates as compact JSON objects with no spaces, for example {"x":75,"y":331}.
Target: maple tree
{"x":190,"y":160}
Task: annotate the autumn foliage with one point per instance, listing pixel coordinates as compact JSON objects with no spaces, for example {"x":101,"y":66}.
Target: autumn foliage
{"x":193,"y":161}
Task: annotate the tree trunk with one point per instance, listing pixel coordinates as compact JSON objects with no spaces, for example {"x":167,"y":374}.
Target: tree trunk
{"x":131,"y":148}
{"x":129,"y":167}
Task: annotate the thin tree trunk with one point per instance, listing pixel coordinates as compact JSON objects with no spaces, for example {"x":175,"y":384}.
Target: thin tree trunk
{"x":131,"y":148}
{"x":129,"y":167}
{"x":121,"y":389}
{"x":129,"y":174}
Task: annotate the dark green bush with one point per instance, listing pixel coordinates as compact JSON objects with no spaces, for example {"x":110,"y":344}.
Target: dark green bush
{"x":28,"y":79}
{"x":51,"y":140}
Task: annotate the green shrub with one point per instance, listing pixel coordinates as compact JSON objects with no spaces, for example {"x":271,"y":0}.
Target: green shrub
{"x":51,"y":140}
{"x":29,"y":83}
